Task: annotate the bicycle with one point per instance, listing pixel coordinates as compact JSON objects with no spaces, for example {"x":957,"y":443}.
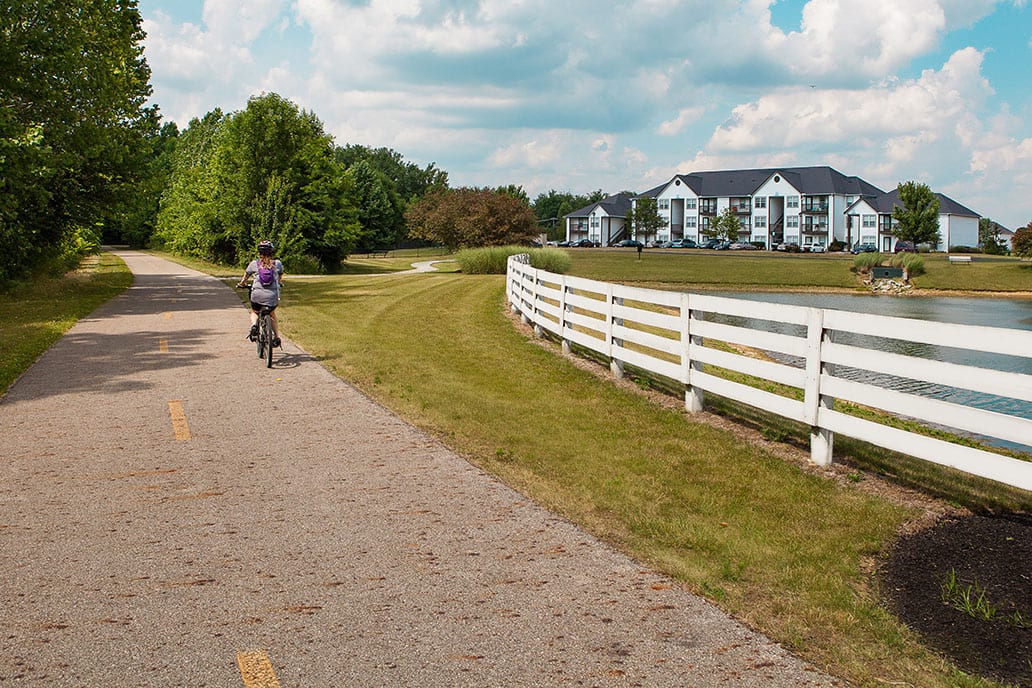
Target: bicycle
{"x":264,"y":339}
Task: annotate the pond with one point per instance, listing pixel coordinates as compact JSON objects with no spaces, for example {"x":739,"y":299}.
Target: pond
{"x":1009,"y":313}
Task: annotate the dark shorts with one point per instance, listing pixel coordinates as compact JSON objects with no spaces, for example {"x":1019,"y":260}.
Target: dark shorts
{"x":257,"y":307}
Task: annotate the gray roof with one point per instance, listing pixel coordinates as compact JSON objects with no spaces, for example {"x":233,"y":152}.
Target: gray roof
{"x":617,"y":205}
{"x":884,"y":204}
{"x":740,"y":183}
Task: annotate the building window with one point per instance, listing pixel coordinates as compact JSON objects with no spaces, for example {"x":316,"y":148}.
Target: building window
{"x":689,"y":222}
{"x":760,"y":202}
{"x":759,"y":239}
{"x":850,"y":200}
{"x":594,"y":223}
{"x":792,"y":201}
{"x":792,"y":221}
{"x":869,"y":221}
{"x":760,"y":222}
{"x":663,"y":204}
{"x":689,"y":204}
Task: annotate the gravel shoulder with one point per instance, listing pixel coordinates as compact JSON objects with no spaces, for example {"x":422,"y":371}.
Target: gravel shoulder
{"x":294,"y":515}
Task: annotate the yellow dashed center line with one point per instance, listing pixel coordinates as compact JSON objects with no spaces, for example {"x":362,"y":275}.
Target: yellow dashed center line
{"x":256,"y":670}
{"x":163,"y":346}
{"x":182,"y":430}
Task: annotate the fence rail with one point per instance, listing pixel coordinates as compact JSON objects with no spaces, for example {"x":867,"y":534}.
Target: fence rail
{"x":800,"y":369}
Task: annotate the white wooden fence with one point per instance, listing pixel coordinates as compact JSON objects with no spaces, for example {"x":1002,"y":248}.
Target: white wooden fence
{"x":663,"y":332}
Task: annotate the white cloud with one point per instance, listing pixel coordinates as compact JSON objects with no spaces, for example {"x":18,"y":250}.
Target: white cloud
{"x":684,"y":118}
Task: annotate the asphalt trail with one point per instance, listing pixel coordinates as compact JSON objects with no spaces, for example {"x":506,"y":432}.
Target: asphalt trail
{"x":172,"y":513}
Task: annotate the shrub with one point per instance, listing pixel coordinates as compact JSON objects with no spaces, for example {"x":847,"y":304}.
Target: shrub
{"x":911,"y":262}
{"x":863,"y":262}
{"x":836,"y":246}
{"x":303,"y":265}
{"x":492,"y":260}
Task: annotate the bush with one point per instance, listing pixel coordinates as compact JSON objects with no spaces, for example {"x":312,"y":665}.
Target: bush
{"x":863,"y":262}
{"x":303,"y":265}
{"x":836,"y":246}
{"x":911,"y":262}
{"x":492,"y":260}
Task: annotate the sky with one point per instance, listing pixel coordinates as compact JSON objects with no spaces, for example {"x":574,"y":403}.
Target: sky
{"x":587,"y":94}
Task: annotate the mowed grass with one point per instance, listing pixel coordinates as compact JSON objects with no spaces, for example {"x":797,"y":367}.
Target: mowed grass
{"x":784,"y":550}
{"x":35,"y":314}
{"x":760,"y":270}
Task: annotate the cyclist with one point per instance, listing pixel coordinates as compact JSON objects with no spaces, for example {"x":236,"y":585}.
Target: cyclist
{"x":267,"y":272}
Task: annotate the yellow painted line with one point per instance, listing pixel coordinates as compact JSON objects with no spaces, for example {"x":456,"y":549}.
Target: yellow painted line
{"x":182,"y":430}
{"x":256,"y":670}
{"x":168,"y":315}
{"x":163,"y":346}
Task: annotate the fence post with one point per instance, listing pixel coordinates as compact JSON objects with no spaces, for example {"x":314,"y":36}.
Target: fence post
{"x":614,"y":365}
{"x":562,"y":315}
{"x":822,"y":442}
{"x":694,"y":397}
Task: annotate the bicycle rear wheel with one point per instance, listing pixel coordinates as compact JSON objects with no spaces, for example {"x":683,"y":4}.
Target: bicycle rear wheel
{"x":267,"y":328}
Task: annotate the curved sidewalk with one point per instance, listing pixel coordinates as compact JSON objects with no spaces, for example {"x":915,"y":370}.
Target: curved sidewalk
{"x":151,"y":536}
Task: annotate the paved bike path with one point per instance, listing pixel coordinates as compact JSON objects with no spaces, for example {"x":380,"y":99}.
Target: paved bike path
{"x":151,"y":534}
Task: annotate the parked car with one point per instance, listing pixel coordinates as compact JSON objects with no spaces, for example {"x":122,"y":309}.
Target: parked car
{"x":722,"y":246}
{"x":563,"y":244}
{"x":683,"y":243}
{"x":629,"y":243}
{"x":663,"y":244}
{"x":788,"y":247}
{"x":905,"y":246}
{"x":584,"y":243}
{"x":742,"y":246}
{"x":864,"y":248}
{"x":817,"y":248}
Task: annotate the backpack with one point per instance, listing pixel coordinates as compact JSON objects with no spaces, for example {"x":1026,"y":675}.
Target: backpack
{"x":266,"y":276}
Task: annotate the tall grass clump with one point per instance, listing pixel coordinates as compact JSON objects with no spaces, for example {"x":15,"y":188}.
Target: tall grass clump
{"x":492,"y":260}
{"x":863,"y":262}
{"x":911,"y":262}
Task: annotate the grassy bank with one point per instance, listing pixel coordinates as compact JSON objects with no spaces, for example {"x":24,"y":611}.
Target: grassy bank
{"x":35,"y":314}
{"x":783,"y":549}
{"x":753,"y":270}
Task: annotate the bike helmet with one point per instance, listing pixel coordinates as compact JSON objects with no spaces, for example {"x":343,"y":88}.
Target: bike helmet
{"x":265,"y":248}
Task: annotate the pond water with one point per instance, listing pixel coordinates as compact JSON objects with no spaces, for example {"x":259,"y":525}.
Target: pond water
{"x":991,"y":312}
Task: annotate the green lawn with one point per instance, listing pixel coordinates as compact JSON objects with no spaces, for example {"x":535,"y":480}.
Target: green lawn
{"x":782,"y":549}
{"x":759,"y":270}
{"x":37,"y":313}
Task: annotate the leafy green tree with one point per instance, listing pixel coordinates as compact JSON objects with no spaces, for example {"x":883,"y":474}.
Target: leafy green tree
{"x":471,"y":218}
{"x":989,"y":237}
{"x":645,"y":219}
{"x":231,"y":173}
{"x":379,"y":209}
{"x":1021,"y":243}
{"x":74,"y":125}
{"x":726,"y":226}
{"x":918,"y":218}
{"x":516,"y":191}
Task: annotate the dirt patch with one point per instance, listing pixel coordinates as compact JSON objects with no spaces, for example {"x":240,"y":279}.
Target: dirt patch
{"x":983,"y":565}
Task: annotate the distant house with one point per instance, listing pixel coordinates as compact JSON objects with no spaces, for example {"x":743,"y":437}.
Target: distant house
{"x":872,"y":217}
{"x":809,"y":206}
{"x":802,"y":205}
{"x":602,"y":222}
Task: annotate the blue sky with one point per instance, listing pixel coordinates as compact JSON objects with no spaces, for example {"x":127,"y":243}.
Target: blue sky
{"x":585,"y":95}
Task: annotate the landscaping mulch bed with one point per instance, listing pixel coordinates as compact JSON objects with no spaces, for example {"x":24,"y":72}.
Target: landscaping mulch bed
{"x":990,"y":555}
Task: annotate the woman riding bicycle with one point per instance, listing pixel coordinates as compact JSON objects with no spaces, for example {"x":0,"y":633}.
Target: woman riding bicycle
{"x":265,"y":287}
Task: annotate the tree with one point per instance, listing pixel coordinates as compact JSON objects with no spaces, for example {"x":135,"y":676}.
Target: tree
{"x":726,"y":226}
{"x":379,"y":209}
{"x":269,"y":166}
{"x":918,"y":217}
{"x":989,"y":237}
{"x":471,"y":218}
{"x":1022,"y":241}
{"x":74,"y":124}
{"x":644,"y":219}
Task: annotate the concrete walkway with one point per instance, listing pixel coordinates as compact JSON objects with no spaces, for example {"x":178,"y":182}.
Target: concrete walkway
{"x":172,"y":513}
